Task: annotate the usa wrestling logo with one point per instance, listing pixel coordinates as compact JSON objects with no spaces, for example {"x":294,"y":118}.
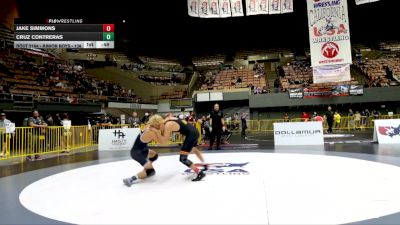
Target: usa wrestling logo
{"x":389,"y":131}
{"x":222,"y":169}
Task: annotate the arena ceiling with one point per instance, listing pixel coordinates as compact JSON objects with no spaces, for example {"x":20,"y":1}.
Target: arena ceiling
{"x":163,"y":27}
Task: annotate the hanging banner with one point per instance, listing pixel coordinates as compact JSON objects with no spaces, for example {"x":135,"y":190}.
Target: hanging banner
{"x":214,"y":9}
{"x":256,"y":7}
{"x":329,"y":31}
{"x":224,"y":8}
{"x":251,"y":7}
{"x":274,"y":6}
{"x":333,"y":73}
{"x":193,"y":8}
{"x":203,"y":10}
{"x":237,"y":8}
{"x":359,"y":2}
{"x":263,"y":7}
{"x":286,"y":6}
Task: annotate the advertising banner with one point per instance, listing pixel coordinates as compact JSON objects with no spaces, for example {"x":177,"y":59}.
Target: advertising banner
{"x":117,"y":139}
{"x":299,"y":133}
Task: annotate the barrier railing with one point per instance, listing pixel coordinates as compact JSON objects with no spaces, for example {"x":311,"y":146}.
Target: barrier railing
{"x":28,"y":141}
{"x":345,"y":123}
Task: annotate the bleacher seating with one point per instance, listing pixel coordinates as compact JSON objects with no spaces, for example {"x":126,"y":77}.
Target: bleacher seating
{"x":27,"y":78}
{"x":375,"y":70}
{"x":226,"y":79}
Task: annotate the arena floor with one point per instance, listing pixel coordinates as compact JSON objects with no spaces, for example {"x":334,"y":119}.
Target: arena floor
{"x":349,"y":180}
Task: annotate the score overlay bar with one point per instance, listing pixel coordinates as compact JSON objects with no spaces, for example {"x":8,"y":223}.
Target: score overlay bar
{"x":64,"y":44}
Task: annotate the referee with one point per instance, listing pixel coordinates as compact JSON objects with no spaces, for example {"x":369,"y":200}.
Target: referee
{"x":217,"y":124}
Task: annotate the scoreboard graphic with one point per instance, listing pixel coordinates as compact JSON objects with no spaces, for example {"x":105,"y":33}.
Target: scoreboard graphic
{"x":63,"y":33}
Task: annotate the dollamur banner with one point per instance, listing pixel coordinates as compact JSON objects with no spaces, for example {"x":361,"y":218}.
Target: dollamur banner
{"x":329,"y":31}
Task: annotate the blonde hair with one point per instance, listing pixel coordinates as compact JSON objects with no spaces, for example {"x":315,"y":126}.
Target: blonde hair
{"x":155,"y":120}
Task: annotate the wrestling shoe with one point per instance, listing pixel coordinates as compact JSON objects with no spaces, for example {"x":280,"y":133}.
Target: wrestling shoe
{"x":129,"y":181}
{"x":200,"y":176}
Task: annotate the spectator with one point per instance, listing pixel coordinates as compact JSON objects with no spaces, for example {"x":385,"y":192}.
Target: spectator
{"x":351,"y":119}
{"x":217,"y":124}
{"x":305,"y":117}
{"x":337,"y":118}
{"x":318,"y":118}
{"x":145,"y":117}
{"x":286,"y":118}
{"x":104,"y":121}
{"x":134,"y":120}
{"x":244,"y":123}
{"x":3,"y":123}
{"x":38,"y":129}
{"x":329,"y":119}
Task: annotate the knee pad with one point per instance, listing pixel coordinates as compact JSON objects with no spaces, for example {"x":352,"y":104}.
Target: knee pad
{"x":184,"y":159}
{"x":154,"y":158}
{"x":150,"y":172}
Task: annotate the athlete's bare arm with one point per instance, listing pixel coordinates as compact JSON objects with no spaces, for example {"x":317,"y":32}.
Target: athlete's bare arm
{"x":169,"y":127}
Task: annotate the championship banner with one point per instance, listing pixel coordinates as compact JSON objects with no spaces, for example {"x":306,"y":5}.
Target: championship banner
{"x":237,"y":8}
{"x":193,"y":8}
{"x":286,"y":6}
{"x":274,"y":6}
{"x":214,"y":9}
{"x":359,"y":2}
{"x":224,"y":8}
{"x":333,"y":73}
{"x":326,"y":92}
{"x":204,"y":9}
{"x":329,"y":31}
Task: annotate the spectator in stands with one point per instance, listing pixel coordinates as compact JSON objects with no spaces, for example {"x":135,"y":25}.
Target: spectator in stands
{"x":51,"y":92}
{"x":239,"y":80}
{"x":329,"y":119}
{"x":3,"y":123}
{"x":134,"y":120}
{"x":38,"y":129}
{"x":217,"y":126}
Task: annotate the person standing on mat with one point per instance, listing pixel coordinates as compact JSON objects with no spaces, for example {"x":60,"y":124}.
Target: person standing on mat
{"x":217,"y":125}
{"x":141,"y":153}
{"x":329,"y":119}
{"x":165,"y":128}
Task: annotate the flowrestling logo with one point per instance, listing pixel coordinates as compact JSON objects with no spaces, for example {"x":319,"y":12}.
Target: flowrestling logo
{"x":223,"y":169}
{"x":389,"y":131}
